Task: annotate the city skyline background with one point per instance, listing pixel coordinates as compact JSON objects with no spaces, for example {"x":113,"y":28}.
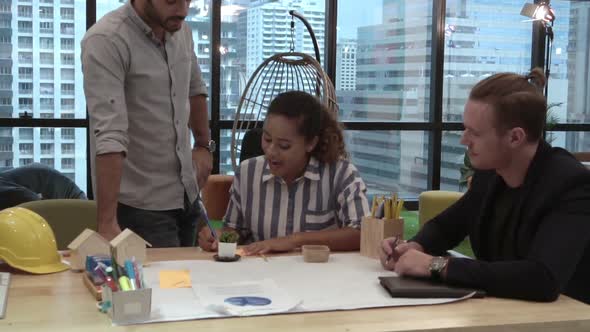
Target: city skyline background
{"x":382,"y":74}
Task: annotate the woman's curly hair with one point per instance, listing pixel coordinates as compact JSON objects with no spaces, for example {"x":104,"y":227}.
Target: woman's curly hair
{"x":314,"y":119}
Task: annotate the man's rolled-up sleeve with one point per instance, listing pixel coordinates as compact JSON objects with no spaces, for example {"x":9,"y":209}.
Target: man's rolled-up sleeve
{"x":104,"y":66}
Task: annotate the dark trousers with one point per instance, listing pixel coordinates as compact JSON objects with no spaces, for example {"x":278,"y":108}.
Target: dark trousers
{"x":168,"y":228}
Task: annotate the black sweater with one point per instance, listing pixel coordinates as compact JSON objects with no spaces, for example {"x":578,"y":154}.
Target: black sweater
{"x":552,"y":251}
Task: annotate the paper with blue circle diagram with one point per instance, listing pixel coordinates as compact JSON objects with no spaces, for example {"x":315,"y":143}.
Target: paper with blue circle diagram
{"x":260,"y":297}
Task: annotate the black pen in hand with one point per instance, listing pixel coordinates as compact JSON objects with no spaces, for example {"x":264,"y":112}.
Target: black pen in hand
{"x":393,"y":246}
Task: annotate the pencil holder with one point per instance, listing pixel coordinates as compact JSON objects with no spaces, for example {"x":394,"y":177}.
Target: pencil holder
{"x":127,"y":307}
{"x":374,"y":230}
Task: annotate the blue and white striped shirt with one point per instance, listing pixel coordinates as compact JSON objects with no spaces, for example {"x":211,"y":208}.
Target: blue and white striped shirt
{"x":326,"y":196}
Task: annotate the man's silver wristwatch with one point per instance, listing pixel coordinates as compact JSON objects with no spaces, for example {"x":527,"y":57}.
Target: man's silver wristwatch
{"x":209,"y":146}
{"x":437,"y":265}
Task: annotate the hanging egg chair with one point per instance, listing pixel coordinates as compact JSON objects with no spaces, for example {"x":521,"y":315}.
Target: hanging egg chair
{"x":280,"y":73}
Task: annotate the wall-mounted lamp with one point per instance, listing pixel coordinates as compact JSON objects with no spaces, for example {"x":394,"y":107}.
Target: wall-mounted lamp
{"x":539,"y":12}
{"x":543,"y":12}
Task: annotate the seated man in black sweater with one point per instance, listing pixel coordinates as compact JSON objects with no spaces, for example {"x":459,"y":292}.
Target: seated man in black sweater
{"x":34,"y":182}
{"x":527,"y":212}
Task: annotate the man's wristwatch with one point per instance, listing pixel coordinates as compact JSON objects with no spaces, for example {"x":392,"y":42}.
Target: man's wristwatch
{"x":437,"y":265}
{"x":209,"y":146}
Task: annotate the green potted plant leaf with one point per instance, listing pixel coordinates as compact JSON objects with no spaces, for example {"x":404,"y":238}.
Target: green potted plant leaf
{"x":228,"y":242}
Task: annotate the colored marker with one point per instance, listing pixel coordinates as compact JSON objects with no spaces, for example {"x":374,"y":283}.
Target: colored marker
{"x":137,"y":275}
{"x":131,"y":274}
{"x":124,"y":283}
{"x":109,"y":279}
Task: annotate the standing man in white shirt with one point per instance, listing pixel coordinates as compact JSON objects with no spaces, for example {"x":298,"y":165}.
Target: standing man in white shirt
{"x":144,"y":93}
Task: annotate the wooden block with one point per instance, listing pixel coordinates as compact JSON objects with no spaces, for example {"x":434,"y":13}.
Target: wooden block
{"x":128,"y":307}
{"x":94,"y":290}
{"x":374,"y":230}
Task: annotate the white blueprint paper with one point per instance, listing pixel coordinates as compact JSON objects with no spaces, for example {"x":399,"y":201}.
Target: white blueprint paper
{"x":347,"y":281}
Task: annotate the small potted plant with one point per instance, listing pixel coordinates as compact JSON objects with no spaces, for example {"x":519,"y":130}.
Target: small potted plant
{"x":228,"y":242}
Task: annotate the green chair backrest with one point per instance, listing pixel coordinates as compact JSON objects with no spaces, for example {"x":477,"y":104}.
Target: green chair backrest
{"x":431,"y":203}
{"x":67,"y":217}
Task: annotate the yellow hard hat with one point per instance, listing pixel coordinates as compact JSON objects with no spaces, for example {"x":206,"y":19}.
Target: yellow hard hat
{"x":27,"y":242}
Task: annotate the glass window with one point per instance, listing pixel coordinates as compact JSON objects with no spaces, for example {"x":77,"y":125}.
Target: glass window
{"x":67,"y":13}
{"x":46,"y":27}
{"x":25,"y":133}
{"x":34,"y":61}
{"x":5,"y":22}
{"x":67,"y":28}
{"x":46,"y":12}
{"x":47,"y":103}
{"x":46,"y":148}
{"x":46,"y":58}
{"x":25,"y":161}
{"x":67,"y":59}
{"x":250,"y":33}
{"x":49,"y":162}
{"x":25,"y":57}
{"x":25,"y":88}
{"x":46,"y":89}
{"x":67,"y":89}
{"x":68,"y":104}
{"x":383,"y":60}
{"x":25,"y":26}
{"x":46,"y":43}
{"x":25,"y":11}
{"x":25,"y":42}
{"x":452,"y":159}
{"x":46,"y":73}
{"x":476,"y":46}
{"x":47,"y":133}
{"x":23,"y":146}
{"x":67,"y":133}
{"x":67,"y":148}
{"x":569,"y":81}
{"x":68,"y":163}
{"x":25,"y":73}
{"x":390,"y":161}
{"x":25,"y":103}
{"x":67,"y":44}
{"x":67,"y":74}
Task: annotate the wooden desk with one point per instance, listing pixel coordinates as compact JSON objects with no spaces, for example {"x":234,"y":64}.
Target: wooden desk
{"x":59,"y":302}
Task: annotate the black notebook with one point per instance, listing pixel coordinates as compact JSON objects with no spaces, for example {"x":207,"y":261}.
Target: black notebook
{"x":424,"y":288}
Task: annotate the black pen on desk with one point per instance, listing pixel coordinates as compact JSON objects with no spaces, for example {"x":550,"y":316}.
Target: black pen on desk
{"x":393,"y":246}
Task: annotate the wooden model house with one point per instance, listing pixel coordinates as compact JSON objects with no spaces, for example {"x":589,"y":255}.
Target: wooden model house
{"x":127,"y":245}
{"x":87,"y":243}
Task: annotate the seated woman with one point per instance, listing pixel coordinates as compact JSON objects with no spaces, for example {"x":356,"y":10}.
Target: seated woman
{"x":527,"y":211}
{"x":301,"y":185}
